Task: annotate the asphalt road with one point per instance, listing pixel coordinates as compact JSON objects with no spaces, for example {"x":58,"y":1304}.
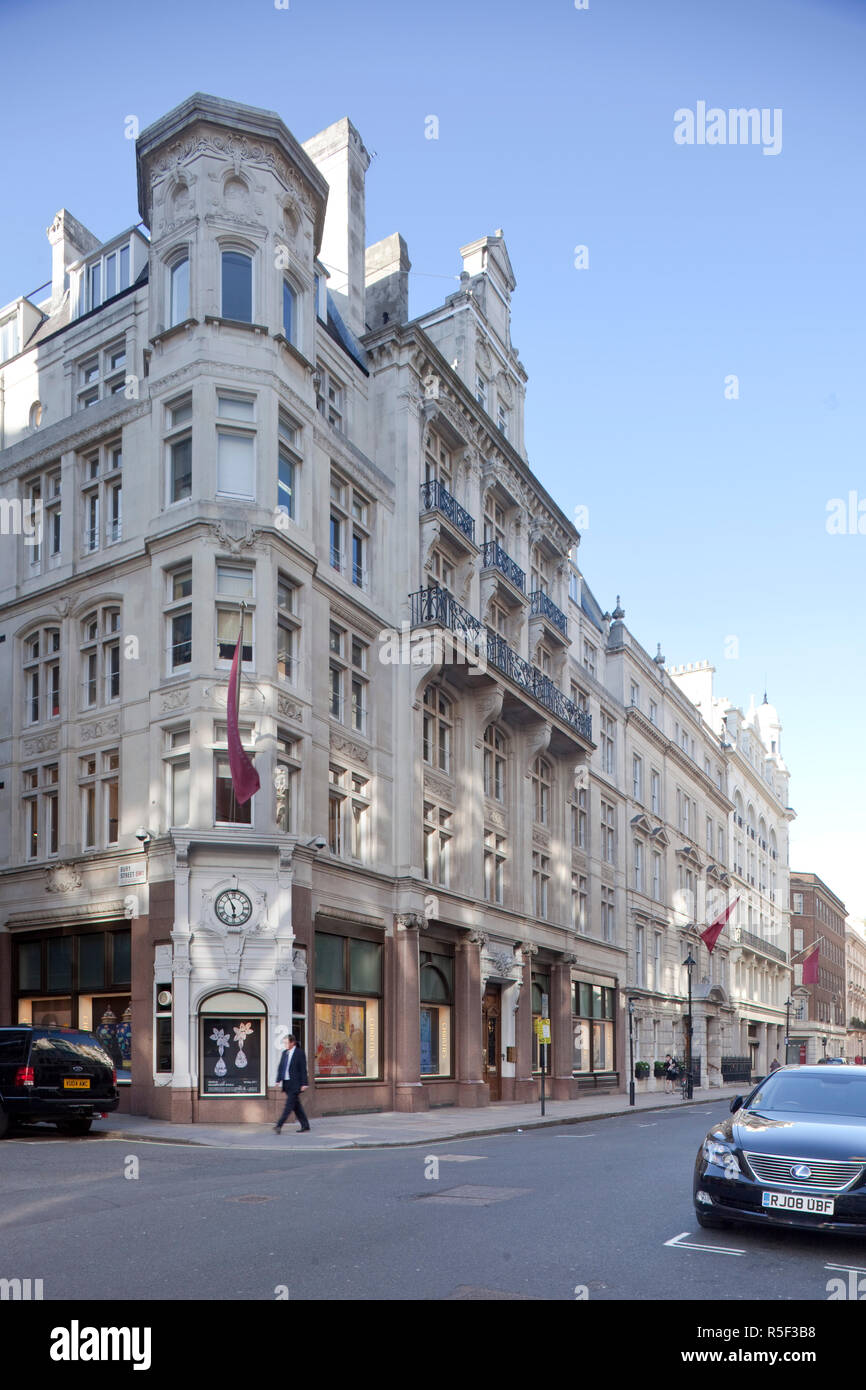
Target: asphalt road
{"x":583,"y":1210}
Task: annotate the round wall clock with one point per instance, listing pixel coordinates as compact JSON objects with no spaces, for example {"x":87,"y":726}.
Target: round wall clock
{"x":233,"y":907}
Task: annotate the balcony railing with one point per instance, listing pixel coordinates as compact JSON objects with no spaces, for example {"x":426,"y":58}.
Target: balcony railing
{"x":497,"y":558}
{"x":434,"y":495}
{"x":436,"y":605}
{"x":748,"y":938}
{"x":540,"y":603}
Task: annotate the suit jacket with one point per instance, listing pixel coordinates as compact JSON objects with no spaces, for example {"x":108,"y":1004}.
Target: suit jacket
{"x":292,"y":1071}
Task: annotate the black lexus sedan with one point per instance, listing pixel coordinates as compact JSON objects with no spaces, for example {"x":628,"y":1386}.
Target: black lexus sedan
{"x":793,"y":1153}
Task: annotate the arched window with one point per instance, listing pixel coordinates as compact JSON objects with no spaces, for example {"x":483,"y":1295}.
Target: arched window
{"x":100,"y":658}
{"x":437,"y":991}
{"x":237,"y":286}
{"x":178,"y":290}
{"x":233,"y":1041}
{"x":495,"y":754}
{"x":438,"y":722}
{"x":42,"y":676}
{"x":290,"y":313}
{"x":542,"y":778}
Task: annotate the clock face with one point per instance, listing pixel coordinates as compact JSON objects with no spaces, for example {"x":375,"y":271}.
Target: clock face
{"x":233,"y":907}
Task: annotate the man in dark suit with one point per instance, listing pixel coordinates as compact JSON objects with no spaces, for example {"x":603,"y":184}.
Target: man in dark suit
{"x":292,"y":1076}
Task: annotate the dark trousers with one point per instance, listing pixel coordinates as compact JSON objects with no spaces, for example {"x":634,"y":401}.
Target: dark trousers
{"x":293,"y":1102}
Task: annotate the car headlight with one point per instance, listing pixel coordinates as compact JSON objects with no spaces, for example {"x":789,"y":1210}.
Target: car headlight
{"x":721,"y":1157}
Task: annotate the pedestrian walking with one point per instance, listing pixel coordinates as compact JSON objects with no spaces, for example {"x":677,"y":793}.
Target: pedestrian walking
{"x":292,"y":1076}
{"x":775,"y":1064}
{"x":672,"y":1071}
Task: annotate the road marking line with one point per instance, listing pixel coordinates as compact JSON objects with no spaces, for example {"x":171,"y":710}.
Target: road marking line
{"x":680,"y":1244}
{"x":575,"y":1136}
{"x":651,"y":1125}
{"x":847,"y":1268}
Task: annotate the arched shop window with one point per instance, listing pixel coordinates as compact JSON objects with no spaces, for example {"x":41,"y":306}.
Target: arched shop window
{"x":70,"y":978}
{"x":437,"y":998}
{"x":232,"y":1045}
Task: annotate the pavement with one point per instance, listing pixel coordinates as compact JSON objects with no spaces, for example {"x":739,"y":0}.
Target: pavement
{"x":393,"y":1129}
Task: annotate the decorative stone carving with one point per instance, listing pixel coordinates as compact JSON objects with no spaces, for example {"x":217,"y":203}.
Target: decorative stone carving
{"x":175,"y":699}
{"x":100,"y":728}
{"x":181,"y":968}
{"x":538,"y":738}
{"x":409,"y":921}
{"x":441,"y":790}
{"x":541,"y":838}
{"x":235,"y":544}
{"x":495,"y":818}
{"x":43,"y":743}
{"x":477,"y":938}
{"x":62,"y":878}
{"x":355,"y":751}
{"x":289,"y":709}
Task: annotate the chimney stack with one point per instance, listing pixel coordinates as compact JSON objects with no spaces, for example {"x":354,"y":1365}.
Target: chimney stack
{"x":339,"y":155}
{"x":70,"y":240}
{"x":388,"y":267}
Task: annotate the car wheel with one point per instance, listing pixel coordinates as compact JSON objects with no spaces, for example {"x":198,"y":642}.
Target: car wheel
{"x":74,"y":1126}
{"x":710,"y":1223}
{"x":4,"y":1122}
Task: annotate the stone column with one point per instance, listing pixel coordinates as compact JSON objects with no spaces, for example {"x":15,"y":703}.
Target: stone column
{"x":562,"y":1084}
{"x":471,"y":1089}
{"x":409,"y":1093}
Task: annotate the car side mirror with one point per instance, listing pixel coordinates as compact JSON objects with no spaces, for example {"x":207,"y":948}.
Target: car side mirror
{"x":736,"y":1103}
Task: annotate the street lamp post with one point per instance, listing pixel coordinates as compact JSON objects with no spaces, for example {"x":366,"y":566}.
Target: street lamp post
{"x":631,"y":1050}
{"x":690,"y":964}
{"x":789,"y":1003}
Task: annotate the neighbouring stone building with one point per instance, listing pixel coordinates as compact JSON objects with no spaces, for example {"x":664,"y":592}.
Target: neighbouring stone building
{"x":820,"y":1028}
{"x":855,"y":972}
{"x":481,"y":801}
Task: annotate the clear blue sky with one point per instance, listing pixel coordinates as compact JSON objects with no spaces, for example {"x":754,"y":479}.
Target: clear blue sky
{"x":706,"y":515}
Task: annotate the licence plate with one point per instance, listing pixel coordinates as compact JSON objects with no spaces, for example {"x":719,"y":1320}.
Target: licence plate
{"x":70,"y":1084}
{"x":789,"y":1201}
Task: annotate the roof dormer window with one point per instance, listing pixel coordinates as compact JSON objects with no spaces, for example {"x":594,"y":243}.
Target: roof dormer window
{"x":9,"y":343}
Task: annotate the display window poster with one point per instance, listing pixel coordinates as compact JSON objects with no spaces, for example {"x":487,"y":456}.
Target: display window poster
{"x":231,"y":1055}
{"x":341,"y":1038}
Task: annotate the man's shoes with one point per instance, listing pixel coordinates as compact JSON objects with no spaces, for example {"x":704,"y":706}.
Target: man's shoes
{"x":303,"y":1129}
{"x":277,"y":1129}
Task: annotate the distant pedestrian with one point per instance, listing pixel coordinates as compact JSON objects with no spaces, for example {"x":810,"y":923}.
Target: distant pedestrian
{"x":775,"y":1064}
{"x":292,"y":1076}
{"x":672,"y":1071}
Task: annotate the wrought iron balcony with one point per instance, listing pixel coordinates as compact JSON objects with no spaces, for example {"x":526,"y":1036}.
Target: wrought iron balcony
{"x":497,"y":558}
{"x":541,"y":604}
{"x":434,"y":495}
{"x":757,"y":943}
{"x":436,"y":605}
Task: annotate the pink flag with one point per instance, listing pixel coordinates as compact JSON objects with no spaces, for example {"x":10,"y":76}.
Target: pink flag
{"x":810,"y":966}
{"x":245,"y":779}
{"x":714,"y":930}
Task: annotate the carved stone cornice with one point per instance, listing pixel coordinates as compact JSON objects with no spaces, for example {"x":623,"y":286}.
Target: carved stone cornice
{"x":356,"y":752}
{"x":99,"y":728}
{"x":290,"y":709}
{"x":175,"y":698}
{"x":40,"y":743}
{"x":236,"y":544}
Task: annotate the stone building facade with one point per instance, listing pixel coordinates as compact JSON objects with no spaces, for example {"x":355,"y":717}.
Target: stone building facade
{"x":481,"y":801}
{"x":817,"y":915}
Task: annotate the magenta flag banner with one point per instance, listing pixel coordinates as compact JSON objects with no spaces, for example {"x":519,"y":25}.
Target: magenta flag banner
{"x":714,"y":930}
{"x":245,"y":779}
{"x":810,"y":967}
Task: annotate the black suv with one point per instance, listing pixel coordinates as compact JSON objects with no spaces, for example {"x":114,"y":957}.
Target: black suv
{"x":57,"y":1074}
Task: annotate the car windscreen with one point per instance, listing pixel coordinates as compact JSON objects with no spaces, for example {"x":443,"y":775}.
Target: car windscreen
{"x":13,"y":1046}
{"x":69,"y":1047}
{"x":831,"y":1093}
